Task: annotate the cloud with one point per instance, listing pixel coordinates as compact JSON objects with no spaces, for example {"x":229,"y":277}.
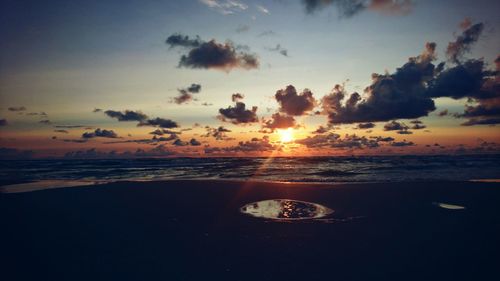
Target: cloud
{"x":207,"y":55}
{"x":443,"y":113}
{"x":401,"y":95}
{"x":158,"y":151}
{"x":97,"y":110}
{"x":100,"y":133}
{"x":349,"y":8}
{"x":179,"y":142}
{"x":279,"y":49}
{"x":225,"y":7}
{"x":237,"y":97}
{"x":262,"y":9}
{"x":194,"y":142}
{"x":61,"y":131}
{"x":402,"y":143}
{"x":417,"y":125}
{"x":333,"y":140}
{"x":254,"y":145}
{"x":368,"y":125}
{"x":127,"y":115}
{"x":239,"y":114}
{"x":464,"y":41}
{"x":159,"y":122}
{"x":46,"y":122}
{"x":3,"y":122}
{"x":186,"y":94}
{"x":17,"y":108}
{"x":401,"y":128}
{"x":267,"y":33}
{"x":71,"y":126}
{"x":320,"y":130}
{"x":218,"y":133}
{"x":295,"y":104}
{"x":279,"y":121}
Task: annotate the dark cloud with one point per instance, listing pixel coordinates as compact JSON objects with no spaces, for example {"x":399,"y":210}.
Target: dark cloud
{"x":207,"y":104}
{"x":254,"y":145}
{"x":70,"y":126}
{"x":368,"y":125}
{"x":17,"y":108}
{"x":3,"y":122}
{"x":183,"y":41}
{"x":349,"y":8}
{"x":237,"y":97}
{"x":186,"y":94}
{"x":159,"y":122}
{"x":194,"y":142}
{"x":46,"y":122}
{"x":218,"y":133}
{"x":279,"y":121}
{"x":179,"y":142}
{"x":417,"y":125}
{"x":464,"y":41}
{"x":102,"y":133}
{"x":211,"y":54}
{"x":61,"y":131}
{"x":239,"y":114}
{"x":295,"y":104}
{"x":333,"y":140}
{"x":127,"y":115}
{"x":158,"y":151}
{"x":395,"y":126}
{"x":401,"y":95}
{"x":402,"y":143}
{"x":97,"y":110}
{"x":320,"y":130}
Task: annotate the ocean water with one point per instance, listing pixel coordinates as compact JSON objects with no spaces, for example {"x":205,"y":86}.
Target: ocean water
{"x":297,"y":169}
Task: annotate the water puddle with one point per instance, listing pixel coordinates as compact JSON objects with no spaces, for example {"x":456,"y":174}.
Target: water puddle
{"x":286,"y":210}
{"x":448,"y":206}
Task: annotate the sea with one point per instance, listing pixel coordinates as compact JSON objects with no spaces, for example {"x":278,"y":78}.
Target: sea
{"x":281,"y":169}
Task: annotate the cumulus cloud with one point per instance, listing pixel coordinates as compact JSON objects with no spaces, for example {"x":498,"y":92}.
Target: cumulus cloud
{"x":127,"y":115}
{"x":333,"y":140}
{"x":368,"y":125}
{"x":194,"y":142}
{"x":239,"y":114}
{"x":102,"y":133}
{"x":417,"y":125}
{"x":158,"y":151}
{"x":295,"y":104}
{"x":400,"y":95}
{"x":279,"y":121}
{"x":464,"y":41}
{"x":254,"y":145}
{"x":207,"y":55}
{"x":402,"y":143}
{"x":349,"y":8}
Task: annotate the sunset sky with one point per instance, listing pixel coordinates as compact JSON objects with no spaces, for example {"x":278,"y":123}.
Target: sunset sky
{"x":248,"y":78}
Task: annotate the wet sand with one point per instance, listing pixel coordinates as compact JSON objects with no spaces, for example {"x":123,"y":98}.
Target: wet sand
{"x":194,"y":230}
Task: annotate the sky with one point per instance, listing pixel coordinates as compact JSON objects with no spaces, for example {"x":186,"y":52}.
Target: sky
{"x":204,"y":78}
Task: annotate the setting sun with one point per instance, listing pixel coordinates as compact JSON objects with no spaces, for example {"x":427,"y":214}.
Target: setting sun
{"x":286,"y":135}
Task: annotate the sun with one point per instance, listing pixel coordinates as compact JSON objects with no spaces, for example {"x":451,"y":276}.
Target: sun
{"x":286,"y":135}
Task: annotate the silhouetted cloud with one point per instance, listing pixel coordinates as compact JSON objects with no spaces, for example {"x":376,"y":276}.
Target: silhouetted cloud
{"x":158,"y":151}
{"x":238,"y":114}
{"x":61,"y":131}
{"x":295,"y":104}
{"x":254,"y":145}
{"x":102,"y":133}
{"x":368,"y":125}
{"x":417,"y":125}
{"x":211,"y":54}
{"x":17,"y":108}
{"x":159,"y":122}
{"x":333,"y":140}
{"x":186,"y":94}
{"x":179,"y":142}
{"x":320,"y":130}
{"x":13,"y":153}
{"x":464,"y":41}
{"x":127,"y":115}
{"x":402,"y":143}
{"x":218,"y":133}
{"x":401,"y":95}
{"x":194,"y":142}
{"x":70,"y":126}
{"x":279,"y":121}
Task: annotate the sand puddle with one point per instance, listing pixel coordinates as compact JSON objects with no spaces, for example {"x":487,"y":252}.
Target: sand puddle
{"x":286,"y":210}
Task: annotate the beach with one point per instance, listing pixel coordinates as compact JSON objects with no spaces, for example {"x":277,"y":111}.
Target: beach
{"x":195,"y":230}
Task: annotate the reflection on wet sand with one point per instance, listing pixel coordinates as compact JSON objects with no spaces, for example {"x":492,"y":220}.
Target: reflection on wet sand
{"x":285,"y":209}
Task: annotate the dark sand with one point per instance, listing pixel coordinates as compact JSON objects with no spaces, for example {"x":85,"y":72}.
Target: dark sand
{"x":192,"y":230}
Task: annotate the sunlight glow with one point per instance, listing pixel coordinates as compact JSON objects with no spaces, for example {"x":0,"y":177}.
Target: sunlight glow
{"x":286,"y":135}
